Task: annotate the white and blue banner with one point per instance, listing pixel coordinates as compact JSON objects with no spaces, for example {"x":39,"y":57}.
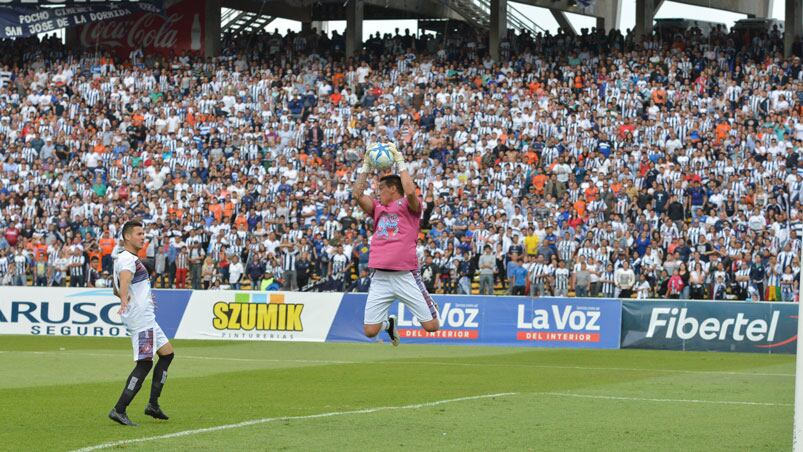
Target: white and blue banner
{"x":23,"y":21}
{"x":490,"y":320}
{"x":465,"y":320}
{"x":48,"y":311}
{"x":316,"y":317}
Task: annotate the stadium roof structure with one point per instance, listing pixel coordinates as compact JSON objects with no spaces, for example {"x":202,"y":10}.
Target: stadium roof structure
{"x":496,"y":17}
{"x":486,"y":14}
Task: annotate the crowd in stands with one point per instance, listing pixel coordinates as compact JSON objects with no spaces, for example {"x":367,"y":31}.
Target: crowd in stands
{"x":592,"y":165}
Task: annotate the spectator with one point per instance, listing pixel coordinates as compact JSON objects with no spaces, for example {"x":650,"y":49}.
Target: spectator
{"x":643,"y":289}
{"x":362,"y":283}
{"x":487,"y":265}
{"x":625,"y":280}
{"x":236,"y":271}
{"x":517,"y":275}
{"x":208,"y":273}
{"x":582,"y":281}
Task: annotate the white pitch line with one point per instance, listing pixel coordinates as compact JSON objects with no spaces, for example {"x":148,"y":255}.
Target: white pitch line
{"x":212,"y":358}
{"x":626,"y":369}
{"x":439,"y":363}
{"x":644,"y":399}
{"x":288,"y":418}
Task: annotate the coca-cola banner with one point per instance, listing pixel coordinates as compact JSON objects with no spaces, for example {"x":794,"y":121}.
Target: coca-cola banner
{"x":18,"y":21}
{"x":178,"y":31}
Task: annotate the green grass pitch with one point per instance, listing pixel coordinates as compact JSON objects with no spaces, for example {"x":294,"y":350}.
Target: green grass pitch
{"x":55,"y":393}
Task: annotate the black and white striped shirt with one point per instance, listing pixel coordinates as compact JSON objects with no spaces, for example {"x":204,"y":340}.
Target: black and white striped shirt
{"x":608,"y":286}
{"x":561,"y":279}
{"x":289,"y":259}
{"x":538,"y":272}
{"x":77,"y":271}
{"x":339,"y":263}
{"x":566,"y":249}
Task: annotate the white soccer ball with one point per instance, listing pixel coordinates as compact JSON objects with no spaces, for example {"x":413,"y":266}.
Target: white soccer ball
{"x":380,"y":156}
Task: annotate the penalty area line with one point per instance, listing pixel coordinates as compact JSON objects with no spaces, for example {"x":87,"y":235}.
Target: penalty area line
{"x":288,"y":418}
{"x":647,"y":399}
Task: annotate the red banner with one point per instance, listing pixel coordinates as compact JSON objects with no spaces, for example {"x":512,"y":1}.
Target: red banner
{"x":179,"y":31}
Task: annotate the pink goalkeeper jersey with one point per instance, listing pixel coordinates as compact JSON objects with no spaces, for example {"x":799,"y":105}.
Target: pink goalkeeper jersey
{"x":395,"y":235}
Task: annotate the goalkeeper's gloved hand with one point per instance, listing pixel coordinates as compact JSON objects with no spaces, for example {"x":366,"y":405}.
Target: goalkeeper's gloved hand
{"x":366,"y":163}
{"x":398,"y":157}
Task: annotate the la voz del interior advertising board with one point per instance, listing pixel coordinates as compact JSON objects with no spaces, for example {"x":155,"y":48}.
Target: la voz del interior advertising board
{"x":512,"y":321}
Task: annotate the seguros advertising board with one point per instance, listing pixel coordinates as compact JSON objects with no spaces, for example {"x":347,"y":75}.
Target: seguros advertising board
{"x":60,"y":312}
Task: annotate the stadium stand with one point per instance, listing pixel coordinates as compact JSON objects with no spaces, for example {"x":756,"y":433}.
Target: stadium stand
{"x":605,"y":165}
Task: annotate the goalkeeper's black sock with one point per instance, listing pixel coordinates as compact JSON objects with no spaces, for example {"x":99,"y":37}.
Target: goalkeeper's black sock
{"x":133,"y":384}
{"x":159,"y":377}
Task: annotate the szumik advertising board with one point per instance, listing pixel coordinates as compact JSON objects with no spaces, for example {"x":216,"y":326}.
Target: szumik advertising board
{"x":178,"y":31}
{"x":44,"y":311}
{"x":716,"y":326}
{"x":276,"y":316}
{"x":510,"y":321}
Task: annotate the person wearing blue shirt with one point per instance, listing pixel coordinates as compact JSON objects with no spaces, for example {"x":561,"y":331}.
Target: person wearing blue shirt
{"x":296,"y":106}
{"x":697,"y":196}
{"x":517,"y":275}
{"x":362,"y":249}
{"x":363,"y":283}
{"x":604,"y":148}
{"x":642,"y":242}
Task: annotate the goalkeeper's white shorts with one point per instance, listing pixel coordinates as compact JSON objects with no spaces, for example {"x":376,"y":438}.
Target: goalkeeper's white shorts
{"x":405,"y":286}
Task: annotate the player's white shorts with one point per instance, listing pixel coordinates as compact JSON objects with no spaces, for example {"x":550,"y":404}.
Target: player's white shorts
{"x":405,"y":286}
{"x":147,"y":341}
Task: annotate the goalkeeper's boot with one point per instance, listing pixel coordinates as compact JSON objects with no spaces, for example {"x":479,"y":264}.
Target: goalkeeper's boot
{"x":120,"y":418}
{"x":155,"y":411}
{"x":392,"y":331}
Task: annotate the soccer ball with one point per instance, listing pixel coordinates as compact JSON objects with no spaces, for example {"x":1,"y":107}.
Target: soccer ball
{"x":380,"y":156}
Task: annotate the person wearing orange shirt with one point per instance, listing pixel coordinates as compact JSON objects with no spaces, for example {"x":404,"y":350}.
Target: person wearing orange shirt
{"x":659,"y":96}
{"x":106,"y":244}
{"x":39,"y":250}
{"x":591,"y":193}
{"x":337,"y":80}
{"x":532,"y":157}
{"x":216,"y":210}
{"x":241,"y":222}
{"x":722,"y":131}
{"x":143,"y":253}
{"x":94,"y":256}
{"x":580,"y":207}
{"x":228,"y":209}
{"x":539,"y":180}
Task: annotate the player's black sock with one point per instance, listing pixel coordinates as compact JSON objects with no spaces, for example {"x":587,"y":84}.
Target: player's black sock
{"x":159,"y":377}
{"x":133,"y":384}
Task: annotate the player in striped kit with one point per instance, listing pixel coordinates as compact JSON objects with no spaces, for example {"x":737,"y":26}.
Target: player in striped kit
{"x":392,"y":256}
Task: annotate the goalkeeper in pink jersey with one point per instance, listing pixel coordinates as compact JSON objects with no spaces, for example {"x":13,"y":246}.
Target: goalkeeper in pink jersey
{"x":392,"y":256}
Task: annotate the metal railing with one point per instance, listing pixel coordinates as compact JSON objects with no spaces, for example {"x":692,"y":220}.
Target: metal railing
{"x":478,"y":13}
{"x":234,"y":21}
